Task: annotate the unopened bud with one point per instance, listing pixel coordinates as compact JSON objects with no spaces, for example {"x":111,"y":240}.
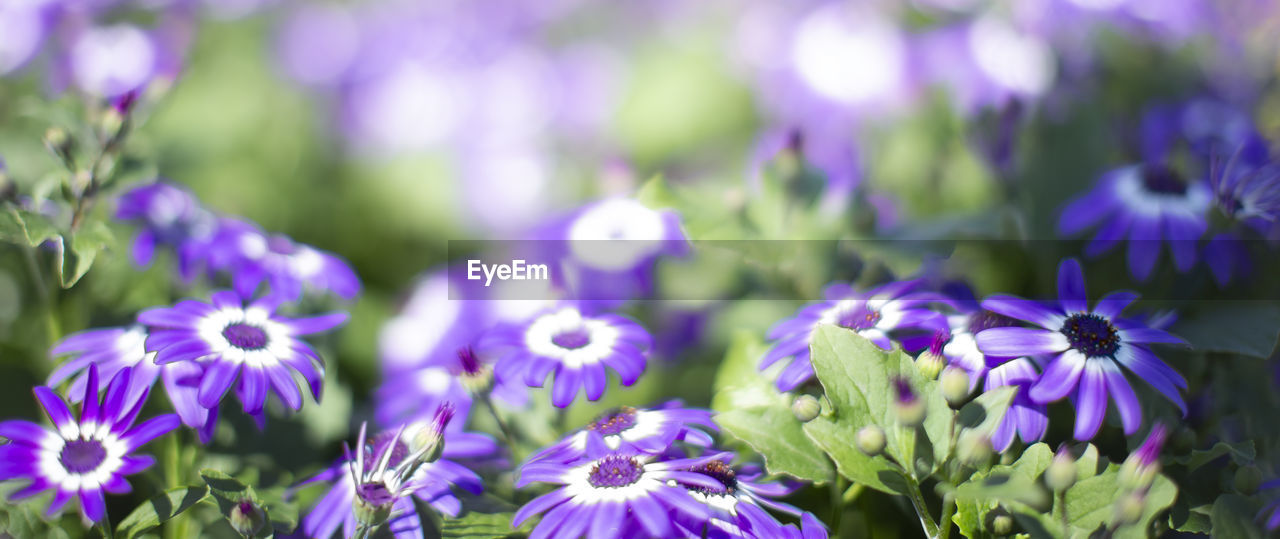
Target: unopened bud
{"x":475,"y":375}
{"x":1141,"y":467}
{"x":111,"y":122}
{"x":58,"y":141}
{"x":955,"y":386}
{"x":974,"y":449}
{"x":246,"y":518}
{"x":931,"y":361}
{"x":428,"y":438}
{"x":805,"y":408}
{"x":999,"y":522}
{"x":1248,"y":479}
{"x":1129,"y":508}
{"x":372,"y":504}
{"x":1061,"y":473}
{"x":908,"y":406}
{"x":870,"y":440}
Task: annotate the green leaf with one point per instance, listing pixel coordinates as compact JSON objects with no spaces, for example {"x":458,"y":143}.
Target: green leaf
{"x":739,"y":384}
{"x":1160,"y":496}
{"x":21,"y":226}
{"x":474,"y":525}
{"x":1232,"y":518}
{"x":1241,"y":452}
{"x":983,"y":414}
{"x":1091,"y":503}
{"x":85,"y":245}
{"x":1034,"y":460}
{"x":777,"y":435}
{"x":159,"y":509}
{"x":656,"y":194}
{"x":1087,"y":464}
{"x":1243,"y":327}
{"x":228,"y":492}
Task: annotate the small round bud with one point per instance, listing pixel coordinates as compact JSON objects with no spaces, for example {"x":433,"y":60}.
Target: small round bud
{"x":56,"y":138}
{"x":973,"y":448}
{"x":1248,"y":479}
{"x":246,"y":518}
{"x":930,"y":365}
{"x":1129,"y":508}
{"x":111,"y":122}
{"x":870,"y":440}
{"x":1061,"y":473}
{"x":908,"y":406}
{"x":1000,"y":523}
{"x":955,"y":386}
{"x":805,"y":408}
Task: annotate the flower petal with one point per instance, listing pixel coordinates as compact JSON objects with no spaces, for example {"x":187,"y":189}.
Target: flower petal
{"x":1059,"y":378}
{"x":1071,"y":291}
{"x":1017,"y":342}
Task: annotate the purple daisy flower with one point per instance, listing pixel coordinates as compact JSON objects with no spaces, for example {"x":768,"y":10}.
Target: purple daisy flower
{"x":873,"y":314}
{"x":961,"y":348}
{"x":1148,"y":203}
{"x":1025,"y":419}
{"x":737,"y":507}
{"x":405,"y":395}
{"x":234,"y":341}
{"x":810,"y":528}
{"x":575,"y":349}
{"x":631,"y":430}
{"x":1087,"y":348}
{"x":252,"y":256}
{"x":383,"y":472}
{"x":171,"y":216}
{"x":82,"y":457}
{"x":114,"y":349}
{"x":615,"y":495}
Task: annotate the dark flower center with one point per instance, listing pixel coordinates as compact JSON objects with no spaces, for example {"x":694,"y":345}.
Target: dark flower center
{"x":245,"y":336}
{"x":615,"y":471}
{"x":614,"y":422}
{"x":1092,"y":335}
{"x":984,"y":320}
{"x":82,"y":456}
{"x":720,"y":472}
{"x":469,"y":363}
{"x":572,"y":339}
{"x":859,"y":318}
{"x":1163,"y":180}
{"x":375,"y":494}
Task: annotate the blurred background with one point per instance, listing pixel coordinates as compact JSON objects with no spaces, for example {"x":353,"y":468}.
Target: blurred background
{"x":380,"y":130}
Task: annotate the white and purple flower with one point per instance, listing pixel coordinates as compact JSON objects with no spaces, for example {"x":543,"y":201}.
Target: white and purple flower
{"x":253,"y":256}
{"x":615,"y":495}
{"x":873,"y":314}
{"x":737,"y":507}
{"x":1026,"y":419}
{"x":83,"y":457}
{"x":249,"y":344}
{"x":1087,"y":347}
{"x":575,"y":349}
{"x":634,"y":430}
{"x":170,"y":216}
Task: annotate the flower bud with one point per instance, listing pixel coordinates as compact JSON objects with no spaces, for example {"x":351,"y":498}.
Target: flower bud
{"x":428,"y":438}
{"x":58,"y":141}
{"x":973,"y":448}
{"x":931,"y":361}
{"x":476,"y":376}
{"x":372,"y":504}
{"x":870,"y":440}
{"x":1248,"y":479}
{"x":907,"y":405}
{"x":1141,"y":467}
{"x":955,"y":386}
{"x":1061,"y":473}
{"x":805,"y":408}
{"x":999,"y":522}
{"x":246,"y":518}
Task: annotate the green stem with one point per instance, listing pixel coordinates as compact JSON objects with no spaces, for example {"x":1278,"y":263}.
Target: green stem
{"x":502,"y":424}
{"x":922,"y":510}
{"x":178,"y":526}
{"x":1061,"y":509}
{"x":105,"y":525}
{"x":948,"y":511}
{"x":837,"y":503}
{"x":852,"y":494}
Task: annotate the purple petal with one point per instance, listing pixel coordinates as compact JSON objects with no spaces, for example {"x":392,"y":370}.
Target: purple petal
{"x":253,"y":389}
{"x":1024,"y":309}
{"x":1144,"y":247}
{"x":1071,"y":291}
{"x":1017,"y":342}
{"x":285,"y":386}
{"x":1109,"y":235}
{"x":539,"y":505}
{"x":166,"y":317}
{"x":1122,"y":393}
{"x":1154,"y":372}
{"x":595,"y":379}
{"x":1087,"y":210}
{"x":149,"y":430}
{"x":1182,"y":233}
{"x":92,"y":504}
{"x":1146,"y":335}
{"x":217,"y":380}
{"x":54,"y":408}
{"x":1091,"y":407}
{"x":24,"y":432}
{"x":1111,"y":304}
{"x":316,"y":324}
{"x":1059,"y":378}
{"x":567,"y":382}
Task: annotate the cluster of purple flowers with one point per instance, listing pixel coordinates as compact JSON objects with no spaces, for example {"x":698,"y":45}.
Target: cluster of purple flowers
{"x":1197,"y":158}
{"x":202,"y":241}
{"x":653,"y":473}
{"x":1050,"y":350}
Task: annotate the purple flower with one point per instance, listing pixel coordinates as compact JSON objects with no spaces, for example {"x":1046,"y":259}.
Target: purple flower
{"x":1147,"y":203}
{"x":404,"y":395}
{"x":737,"y":507}
{"x":873,"y":314}
{"x":631,"y":430}
{"x":170,"y":216}
{"x":82,"y":457}
{"x":252,"y":256}
{"x":113,"y":349}
{"x":1025,"y":419}
{"x":1087,"y":348}
{"x":575,"y":349}
{"x":1270,"y":513}
{"x":615,"y":495}
{"x":810,"y":528}
{"x":961,"y":349}
{"x":234,"y":341}
{"x":109,"y":61}
{"x":382,"y":471}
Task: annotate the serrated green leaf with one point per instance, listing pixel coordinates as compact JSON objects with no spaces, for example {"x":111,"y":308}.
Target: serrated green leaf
{"x":777,"y":435}
{"x":474,"y":525}
{"x":1232,"y":518}
{"x":159,"y":509}
{"x":856,"y":375}
{"x":1250,"y":328}
{"x":85,"y":245}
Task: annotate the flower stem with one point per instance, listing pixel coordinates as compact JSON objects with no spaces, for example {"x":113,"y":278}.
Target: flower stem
{"x":837,"y":503}
{"x":948,"y":511}
{"x":507,"y":437}
{"x":922,"y":510}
